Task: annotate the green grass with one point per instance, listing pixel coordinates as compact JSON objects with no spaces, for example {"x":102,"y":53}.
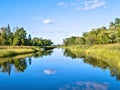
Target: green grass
{"x":16,"y":50}
{"x":110,"y":53}
{"x":9,"y":58}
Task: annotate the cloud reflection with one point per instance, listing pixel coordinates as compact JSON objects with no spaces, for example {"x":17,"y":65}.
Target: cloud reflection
{"x":49,"y":71}
{"x":85,"y":86}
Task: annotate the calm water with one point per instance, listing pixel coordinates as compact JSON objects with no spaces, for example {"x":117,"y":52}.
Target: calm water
{"x":57,"y":70}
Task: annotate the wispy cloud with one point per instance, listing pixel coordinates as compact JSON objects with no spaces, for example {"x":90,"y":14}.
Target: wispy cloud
{"x":93,"y":4}
{"x":48,"y":21}
{"x":63,"y":4}
{"x":83,"y":4}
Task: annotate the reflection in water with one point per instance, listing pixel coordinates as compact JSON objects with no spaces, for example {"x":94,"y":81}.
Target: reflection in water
{"x":43,"y":53}
{"x":73,"y":55}
{"x":19,"y":63}
{"x":114,"y":69}
{"x":29,"y":60}
{"x":49,"y":71}
{"x":85,"y":86}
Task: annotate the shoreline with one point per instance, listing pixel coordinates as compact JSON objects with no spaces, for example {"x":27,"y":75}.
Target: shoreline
{"x":106,"y":52}
{"x":7,"y":51}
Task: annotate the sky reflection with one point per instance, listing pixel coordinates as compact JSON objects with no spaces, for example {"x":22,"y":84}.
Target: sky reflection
{"x":85,"y":86}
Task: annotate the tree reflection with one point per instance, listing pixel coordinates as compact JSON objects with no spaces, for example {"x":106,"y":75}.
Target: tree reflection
{"x":114,"y":69}
{"x":19,"y":63}
{"x":43,"y":53}
{"x":95,"y":62}
{"x":73,"y":55}
{"x":29,"y":61}
{"x":6,"y":67}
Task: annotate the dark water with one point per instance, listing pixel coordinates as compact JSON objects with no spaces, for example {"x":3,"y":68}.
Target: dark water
{"x":57,"y":70}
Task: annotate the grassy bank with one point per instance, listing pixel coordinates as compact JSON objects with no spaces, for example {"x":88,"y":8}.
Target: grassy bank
{"x":109,"y":53}
{"x":21,"y":56}
{"x":16,"y":50}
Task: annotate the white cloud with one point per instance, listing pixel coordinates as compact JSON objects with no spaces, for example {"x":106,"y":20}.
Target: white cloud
{"x":93,"y":4}
{"x":83,"y":4}
{"x":48,"y":21}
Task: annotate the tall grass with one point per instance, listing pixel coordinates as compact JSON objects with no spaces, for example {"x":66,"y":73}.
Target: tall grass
{"x":16,"y":50}
{"x":110,"y":53}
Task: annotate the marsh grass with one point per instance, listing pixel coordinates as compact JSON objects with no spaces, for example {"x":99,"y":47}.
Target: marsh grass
{"x":16,"y":50}
{"x":110,"y":53}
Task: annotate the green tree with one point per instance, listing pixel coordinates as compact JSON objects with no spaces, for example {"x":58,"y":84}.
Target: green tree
{"x":19,"y":36}
{"x":3,"y":35}
{"x":79,"y":41}
{"x":29,"y":42}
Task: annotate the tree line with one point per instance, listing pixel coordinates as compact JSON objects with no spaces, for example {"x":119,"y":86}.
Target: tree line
{"x":19,"y":38}
{"x":100,"y":35}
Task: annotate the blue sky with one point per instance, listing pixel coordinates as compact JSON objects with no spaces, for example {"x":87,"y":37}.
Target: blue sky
{"x":58,"y":19}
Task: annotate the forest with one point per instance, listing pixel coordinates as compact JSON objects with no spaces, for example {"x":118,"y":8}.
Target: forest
{"x":102,"y":35}
{"x":19,"y":37}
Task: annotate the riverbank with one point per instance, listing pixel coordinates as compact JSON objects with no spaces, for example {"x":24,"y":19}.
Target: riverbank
{"x":6,"y":51}
{"x":109,"y":53}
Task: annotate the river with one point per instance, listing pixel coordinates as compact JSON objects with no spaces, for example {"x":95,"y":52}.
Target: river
{"x":57,"y":70}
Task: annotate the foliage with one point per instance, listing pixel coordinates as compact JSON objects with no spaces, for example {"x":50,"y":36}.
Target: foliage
{"x":19,"y":38}
{"x":100,"y":35}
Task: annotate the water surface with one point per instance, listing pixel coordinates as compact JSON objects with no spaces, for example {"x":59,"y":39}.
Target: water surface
{"x":57,"y":70}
